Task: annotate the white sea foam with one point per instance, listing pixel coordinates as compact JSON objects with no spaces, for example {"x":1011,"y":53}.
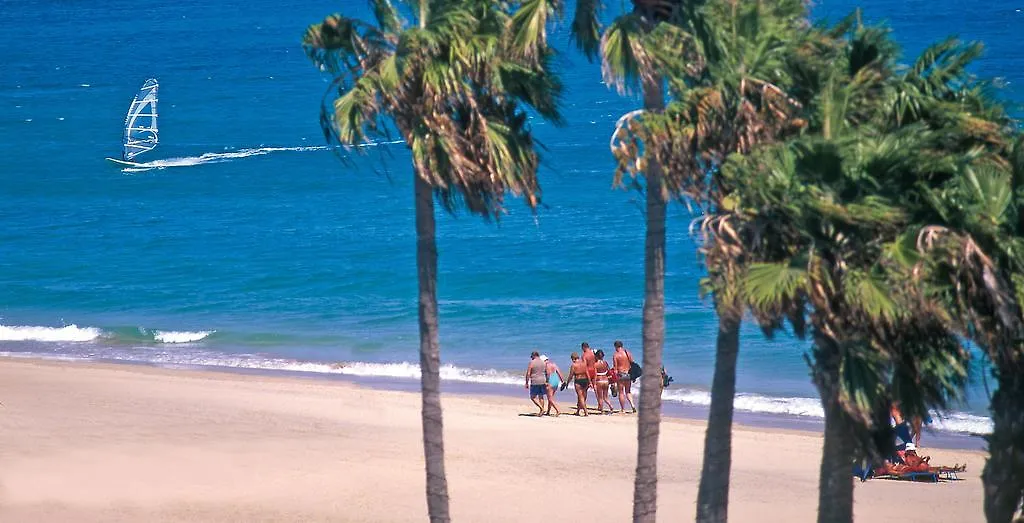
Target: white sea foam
{"x":811,"y":407}
{"x":34,"y":333}
{"x":381,"y":370}
{"x":411,"y":370}
{"x":793,"y":406}
{"x":180,"y":337}
{"x":207,"y":158}
{"x":960,"y":422}
{"x":963,"y":422}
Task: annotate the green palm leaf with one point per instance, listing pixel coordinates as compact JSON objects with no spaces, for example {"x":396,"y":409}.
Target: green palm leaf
{"x":586,"y":27}
{"x":770,"y":285}
{"x":388,"y":19}
{"x":991,"y":190}
{"x":356,"y":112}
{"x":862,"y":378}
{"x":869,"y":293}
{"x":529,"y":26}
{"x":625,"y":59}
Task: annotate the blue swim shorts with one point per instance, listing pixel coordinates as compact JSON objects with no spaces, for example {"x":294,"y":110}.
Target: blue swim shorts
{"x":539,"y":390}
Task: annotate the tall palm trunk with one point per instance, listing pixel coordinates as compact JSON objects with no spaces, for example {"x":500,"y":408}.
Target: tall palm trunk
{"x":1004,"y":471}
{"x":645,"y":491}
{"x":835,"y":481}
{"x":713,"y":493}
{"x":430,"y":352}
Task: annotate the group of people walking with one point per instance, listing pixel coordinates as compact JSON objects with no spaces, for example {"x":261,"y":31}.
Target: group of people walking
{"x":588,"y":371}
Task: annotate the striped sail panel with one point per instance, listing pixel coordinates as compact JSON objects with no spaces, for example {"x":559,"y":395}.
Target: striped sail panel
{"x":140,"y":131}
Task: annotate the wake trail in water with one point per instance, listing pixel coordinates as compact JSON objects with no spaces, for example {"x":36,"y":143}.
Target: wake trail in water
{"x":207,"y":158}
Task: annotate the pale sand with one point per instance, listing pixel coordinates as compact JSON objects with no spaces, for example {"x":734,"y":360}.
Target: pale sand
{"x":93,"y":442}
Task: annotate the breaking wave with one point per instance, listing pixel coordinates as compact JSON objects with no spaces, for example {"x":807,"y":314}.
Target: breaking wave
{"x":961,"y":422}
{"x":180,"y":337}
{"x":74,"y":333}
{"x":48,"y":334}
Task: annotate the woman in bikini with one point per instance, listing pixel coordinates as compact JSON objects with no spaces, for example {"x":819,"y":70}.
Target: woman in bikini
{"x":578,"y":373}
{"x":601,"y":383}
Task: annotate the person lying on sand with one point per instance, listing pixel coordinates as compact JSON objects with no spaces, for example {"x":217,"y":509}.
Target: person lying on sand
{"x":912,"y":462}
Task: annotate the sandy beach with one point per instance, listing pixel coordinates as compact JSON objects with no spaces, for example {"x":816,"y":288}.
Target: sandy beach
{"x":100,"y":442}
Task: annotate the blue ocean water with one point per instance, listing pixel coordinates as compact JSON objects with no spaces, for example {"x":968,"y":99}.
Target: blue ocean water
{"x":255,"y":247}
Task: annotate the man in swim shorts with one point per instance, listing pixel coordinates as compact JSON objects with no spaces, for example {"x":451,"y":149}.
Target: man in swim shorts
{"x":591,"y":360}
{"x":588,"y":357}
{"x":554,"y":382}
{"x":621,"y":361}
{"x":578,"y":373}
{"x":537,"y":381}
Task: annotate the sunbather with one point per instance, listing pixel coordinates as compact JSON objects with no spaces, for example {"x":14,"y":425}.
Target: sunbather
{"x":908,"y":461}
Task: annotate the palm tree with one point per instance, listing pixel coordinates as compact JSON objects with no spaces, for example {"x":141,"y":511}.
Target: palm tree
{"x":446,"y":75}
{"x":727,"y":65}
{"x":627,"y":59}
{"x":982,"y":294}
{"x":848,"y":201}
{"x":832,"y":202}
{"x":975,"y":239}
{"x":975,"y":248}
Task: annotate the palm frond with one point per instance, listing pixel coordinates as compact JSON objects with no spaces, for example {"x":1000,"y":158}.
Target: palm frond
{"x":387,"y":16}
{"x":903,"y":250}
{"x":353,"y":117}
{"x":529,"y":27}
{"x":1016,"y":161}
{"x":869,"y":293}
{"x":586,"y":27}
{"x":340,"y":44}
{"x":991,"y":192}
{"x":941,"y":68}
{"x":453,"y":87}
{"x":451,"y":22}
{"x":770,"y":285}
{"x":863,"y":373}
{"x":624,"y":58}
{"x":538,"y":88}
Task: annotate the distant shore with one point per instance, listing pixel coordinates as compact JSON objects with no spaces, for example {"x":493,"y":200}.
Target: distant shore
{"x":101,"y":442}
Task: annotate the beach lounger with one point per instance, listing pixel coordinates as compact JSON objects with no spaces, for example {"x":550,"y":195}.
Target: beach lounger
{"x":863,"y":471}
{"x":933,"y":475}
{"x":929,"y":477}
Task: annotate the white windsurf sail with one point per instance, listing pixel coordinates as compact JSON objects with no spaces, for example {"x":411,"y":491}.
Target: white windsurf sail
{"x":140,"y":131}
